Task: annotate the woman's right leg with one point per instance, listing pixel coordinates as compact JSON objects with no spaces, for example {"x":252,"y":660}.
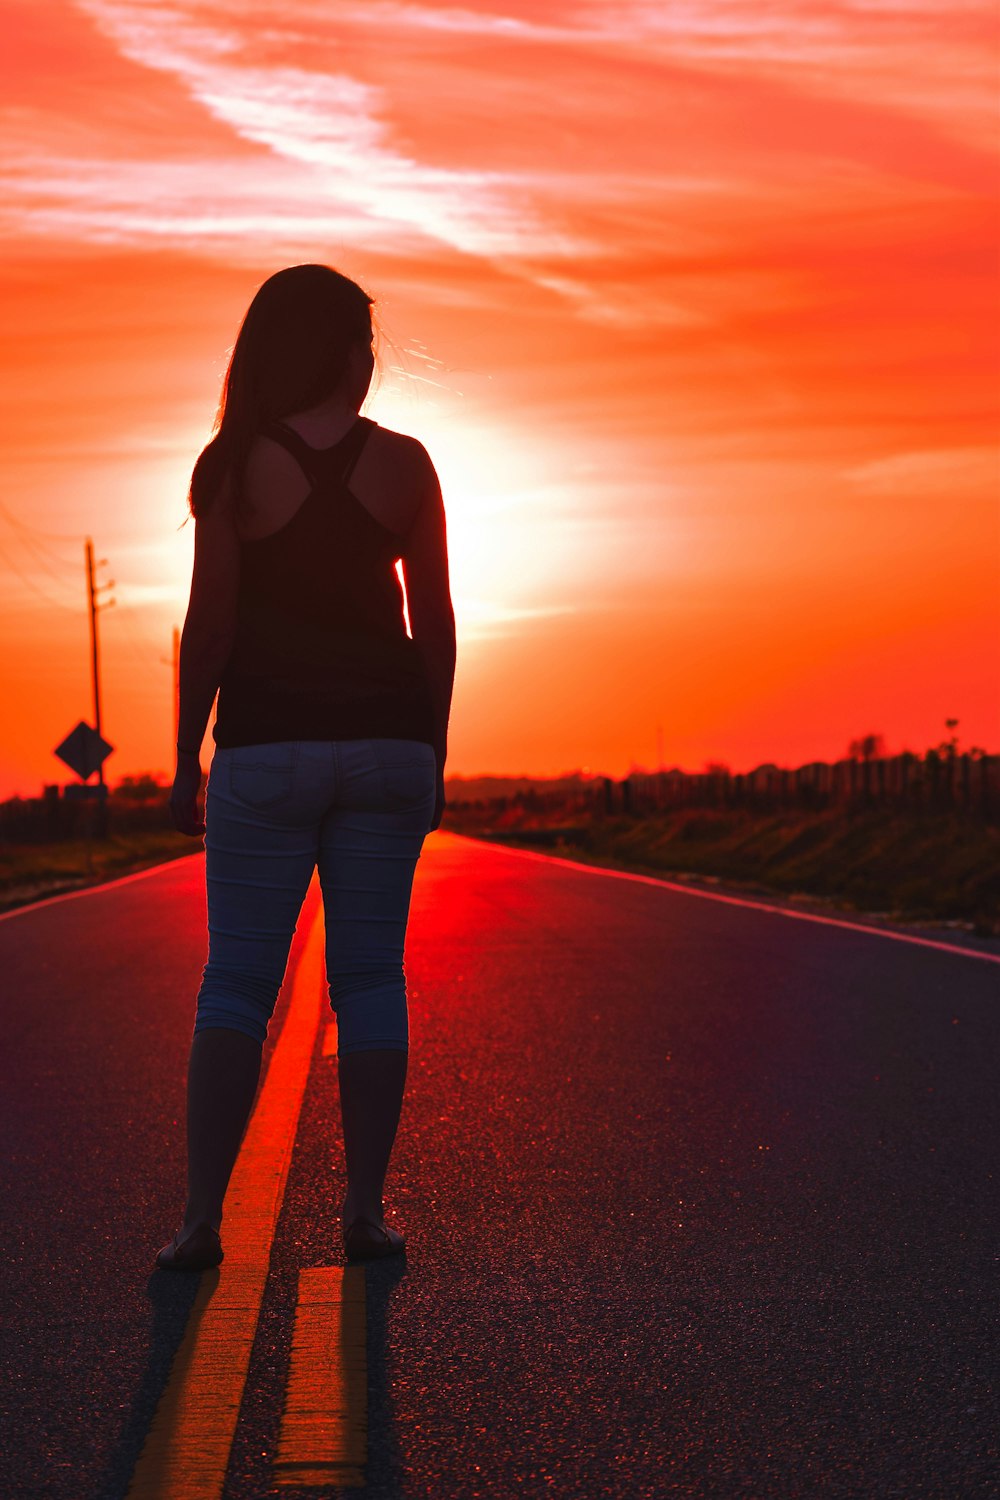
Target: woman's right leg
{"x":371,"y":1100}
{"x":370,"y":842}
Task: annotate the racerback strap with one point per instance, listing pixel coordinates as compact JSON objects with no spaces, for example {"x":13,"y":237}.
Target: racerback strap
{"x":352,"y":445}
{"x":316,"y":463}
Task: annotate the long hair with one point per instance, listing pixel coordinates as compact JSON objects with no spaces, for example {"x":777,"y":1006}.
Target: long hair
{"x":291,"y":353}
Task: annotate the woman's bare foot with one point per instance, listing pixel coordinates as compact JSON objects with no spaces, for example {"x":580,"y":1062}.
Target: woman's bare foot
{"x":365,"y":1240}
{"x":195,"y":1247}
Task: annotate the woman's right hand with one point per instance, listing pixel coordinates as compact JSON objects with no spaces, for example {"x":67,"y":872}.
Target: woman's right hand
{"x":439,"y":805}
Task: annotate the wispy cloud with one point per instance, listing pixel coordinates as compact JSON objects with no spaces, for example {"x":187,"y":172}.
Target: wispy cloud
{"x":332,"y":128}
{"x":931,"y":472}
{"x":598,"y":137}
{"x":489,"y":620}
{"x":116,"y":202}
{"x":934,"y":60}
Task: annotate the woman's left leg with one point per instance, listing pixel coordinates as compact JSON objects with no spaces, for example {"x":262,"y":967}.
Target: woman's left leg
{"x":223,"y":1072}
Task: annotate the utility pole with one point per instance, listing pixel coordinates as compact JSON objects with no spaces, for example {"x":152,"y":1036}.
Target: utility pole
{"x":92,"y":591}
{"x":659,"y":747}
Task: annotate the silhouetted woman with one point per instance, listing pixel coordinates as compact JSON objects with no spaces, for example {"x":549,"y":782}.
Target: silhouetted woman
{"x":330,"y":733}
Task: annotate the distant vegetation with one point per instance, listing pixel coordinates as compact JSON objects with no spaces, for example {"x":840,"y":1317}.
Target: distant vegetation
{"x":909,"y":837}
{"x":913,"y":837}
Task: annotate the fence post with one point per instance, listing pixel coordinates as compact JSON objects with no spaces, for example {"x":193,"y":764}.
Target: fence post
{"x":984,"y":785}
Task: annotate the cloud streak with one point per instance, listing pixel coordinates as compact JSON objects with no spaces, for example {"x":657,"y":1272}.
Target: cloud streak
{"x":331,"y":127}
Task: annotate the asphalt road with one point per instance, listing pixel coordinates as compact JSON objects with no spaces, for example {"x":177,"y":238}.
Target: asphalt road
{"x":700,"y":1199}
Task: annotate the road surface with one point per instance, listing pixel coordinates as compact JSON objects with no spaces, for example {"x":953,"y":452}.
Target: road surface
{"x":701,"y":1199}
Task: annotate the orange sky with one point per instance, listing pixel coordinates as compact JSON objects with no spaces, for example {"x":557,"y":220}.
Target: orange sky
{"x":695,"y":306}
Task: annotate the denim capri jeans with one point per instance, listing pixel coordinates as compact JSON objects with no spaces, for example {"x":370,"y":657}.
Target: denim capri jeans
{"x":359,"y":810}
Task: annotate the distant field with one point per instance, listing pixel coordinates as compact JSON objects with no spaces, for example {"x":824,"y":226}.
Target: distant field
{"x":941,"y":868}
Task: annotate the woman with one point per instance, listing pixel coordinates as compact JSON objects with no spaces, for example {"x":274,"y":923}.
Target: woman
{"x":330,"y":733}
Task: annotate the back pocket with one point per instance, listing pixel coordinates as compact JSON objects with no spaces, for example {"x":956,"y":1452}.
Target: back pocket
{"x":408,"y":770}
{"x":262,"y":775}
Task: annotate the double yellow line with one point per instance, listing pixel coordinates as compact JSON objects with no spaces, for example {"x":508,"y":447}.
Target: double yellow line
{"x":323,"y":1437}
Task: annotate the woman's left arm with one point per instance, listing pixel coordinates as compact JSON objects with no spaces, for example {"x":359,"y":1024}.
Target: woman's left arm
{"x":206,"y":645}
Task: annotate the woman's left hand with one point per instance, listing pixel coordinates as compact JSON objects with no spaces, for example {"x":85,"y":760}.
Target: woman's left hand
{"x":184,"y":797}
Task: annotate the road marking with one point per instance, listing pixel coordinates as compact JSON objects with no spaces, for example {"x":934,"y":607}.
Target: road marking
{"x":330,"y":1040}
{"x":101,"y":885}
{"x":324,"y":1426}
{"x":187,"y":1448}
{"x":781,"y":911}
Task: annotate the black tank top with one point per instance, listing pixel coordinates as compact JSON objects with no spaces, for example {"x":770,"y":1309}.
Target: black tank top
{"x":321,"y":649}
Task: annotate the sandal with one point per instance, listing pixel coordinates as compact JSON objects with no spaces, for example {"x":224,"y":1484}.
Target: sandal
{"x":201,"y":1251}
{"x":366,"y":1240}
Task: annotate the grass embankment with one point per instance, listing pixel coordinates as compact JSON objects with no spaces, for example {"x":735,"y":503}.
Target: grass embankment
{"x":29,"y":872}
{"x":904,"y":867}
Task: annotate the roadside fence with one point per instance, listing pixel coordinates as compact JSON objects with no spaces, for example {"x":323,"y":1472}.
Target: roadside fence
{"x":963,"y":784}
{"x":933,"y":784}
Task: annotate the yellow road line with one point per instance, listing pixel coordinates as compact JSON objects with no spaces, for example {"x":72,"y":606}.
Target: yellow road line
{"x":324,"y":1426}
{"x":330,"y":1041}
{"x":187,"y":1448}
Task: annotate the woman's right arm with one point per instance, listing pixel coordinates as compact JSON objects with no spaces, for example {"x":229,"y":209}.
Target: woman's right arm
{"x":428,"y":602}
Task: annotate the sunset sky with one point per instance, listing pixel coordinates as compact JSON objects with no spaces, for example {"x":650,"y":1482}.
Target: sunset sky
{"x":694,"y":304}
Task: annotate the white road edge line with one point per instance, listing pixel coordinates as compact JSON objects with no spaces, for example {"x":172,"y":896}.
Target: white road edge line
{"x":99,"y":885}
{"x":780,"y":911}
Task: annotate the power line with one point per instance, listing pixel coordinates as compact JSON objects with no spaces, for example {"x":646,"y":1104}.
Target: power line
{"x":40,"y":553}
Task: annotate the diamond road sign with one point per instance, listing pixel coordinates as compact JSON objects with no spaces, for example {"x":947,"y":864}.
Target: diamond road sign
{"x":84,"y":750}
